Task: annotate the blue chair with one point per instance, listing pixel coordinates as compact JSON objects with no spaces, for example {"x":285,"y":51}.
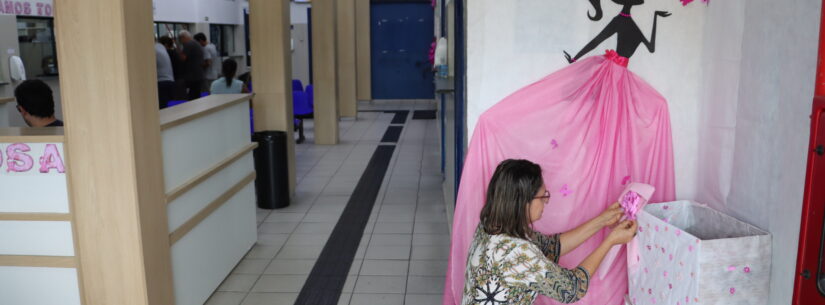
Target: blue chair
{"x":297,"y":85}
{"x":173,"y":103}
{"x":310,"y":95}
{"x":301,"y":110}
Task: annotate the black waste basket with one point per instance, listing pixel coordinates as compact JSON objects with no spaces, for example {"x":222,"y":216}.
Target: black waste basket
{"x":272,"y":181}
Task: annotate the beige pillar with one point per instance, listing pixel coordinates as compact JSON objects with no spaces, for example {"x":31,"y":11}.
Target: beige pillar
{"x":347,"y":103}
{"x":362,"y":41}
{"x":324,"y":71}
{"x":109,"y":94}
{"x":272,"y":71}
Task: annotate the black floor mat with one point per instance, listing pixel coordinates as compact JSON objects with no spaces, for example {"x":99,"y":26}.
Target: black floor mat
{"x":326,"y":280}
{"x":424,"y":115}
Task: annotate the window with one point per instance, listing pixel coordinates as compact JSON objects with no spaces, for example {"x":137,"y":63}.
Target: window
{"x":37,"y":47}
{"x":223,"y":36}
{"x":170,"y":29}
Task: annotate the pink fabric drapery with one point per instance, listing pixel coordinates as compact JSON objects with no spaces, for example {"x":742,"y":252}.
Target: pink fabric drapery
{"x":594,"y":127}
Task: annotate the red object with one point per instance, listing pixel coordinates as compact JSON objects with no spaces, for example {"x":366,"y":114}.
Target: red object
{"x":810,"y":261}
{"x":809,"y":267}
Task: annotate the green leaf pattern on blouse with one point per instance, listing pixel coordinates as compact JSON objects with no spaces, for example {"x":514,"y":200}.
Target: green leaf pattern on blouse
{"x":506,"y":270}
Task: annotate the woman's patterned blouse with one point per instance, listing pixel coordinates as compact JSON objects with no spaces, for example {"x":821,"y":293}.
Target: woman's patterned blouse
{"x":502,"y":269}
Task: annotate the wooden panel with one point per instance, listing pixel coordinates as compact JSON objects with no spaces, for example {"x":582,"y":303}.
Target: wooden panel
{"x":31,"y":135}
{"x":214,"y":205}
{"x":36,"y":216}
{"x":324,"y":72}
{"x":180,"y":190}
{"x":4,"y":100}
{"x":362,"y":41}
{"x":37,"y":261}
{"x":347,"y":103}
{"x":109,"y":89}
{"x":173,"y":116}
{"x":272,"y":76}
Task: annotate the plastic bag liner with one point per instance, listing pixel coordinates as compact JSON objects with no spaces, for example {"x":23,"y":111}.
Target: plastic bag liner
{"x":688,"y":253}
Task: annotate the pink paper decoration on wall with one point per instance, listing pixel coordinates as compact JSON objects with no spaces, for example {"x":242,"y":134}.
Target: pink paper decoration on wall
{"x":18,"y":161}
{"x":565,"y":190}
{"x":51,"y":159}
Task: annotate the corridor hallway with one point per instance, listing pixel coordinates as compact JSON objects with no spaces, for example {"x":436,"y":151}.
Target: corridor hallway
{"x":402,"y":255}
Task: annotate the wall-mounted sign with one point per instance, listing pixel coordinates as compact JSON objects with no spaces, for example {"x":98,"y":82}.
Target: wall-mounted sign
{"x":26,"y":8}
{"x":30,"y":158}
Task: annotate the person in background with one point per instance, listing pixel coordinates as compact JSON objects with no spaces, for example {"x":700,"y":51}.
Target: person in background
{"x":228,"y":84}
{"x":194,"y":73}
{"x":35,"y":103}
{"x":177,"y":66}
{"x":166,"y":75}
{"x":212,"y":59}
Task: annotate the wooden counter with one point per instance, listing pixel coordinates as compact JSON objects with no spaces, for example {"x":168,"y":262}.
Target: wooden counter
{"x":191,"y":110}
{"x":31,"y":135}
{"x":208,"y":173}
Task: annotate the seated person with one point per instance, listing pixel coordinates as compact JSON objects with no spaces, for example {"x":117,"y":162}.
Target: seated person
{"x":36,"y":104}
{"x":228,"y":84}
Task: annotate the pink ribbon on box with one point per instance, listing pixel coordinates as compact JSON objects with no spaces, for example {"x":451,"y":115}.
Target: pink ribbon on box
{"x":632,"y":200}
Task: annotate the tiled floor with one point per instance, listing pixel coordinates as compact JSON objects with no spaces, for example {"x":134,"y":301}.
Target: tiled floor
{"x":403,"y":253}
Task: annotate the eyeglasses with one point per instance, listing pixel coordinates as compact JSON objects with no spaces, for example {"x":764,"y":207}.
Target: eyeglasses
{"x":545,"y":198}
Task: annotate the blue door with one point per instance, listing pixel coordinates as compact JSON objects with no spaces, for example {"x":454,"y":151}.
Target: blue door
{"x":400,"y":45}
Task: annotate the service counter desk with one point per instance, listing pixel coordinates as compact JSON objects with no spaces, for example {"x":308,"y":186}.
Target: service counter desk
{"x":6,"y":108}
{"x":208,"y":175}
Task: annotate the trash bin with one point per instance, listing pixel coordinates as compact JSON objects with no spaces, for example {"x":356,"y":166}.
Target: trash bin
{"x":272,"y":181}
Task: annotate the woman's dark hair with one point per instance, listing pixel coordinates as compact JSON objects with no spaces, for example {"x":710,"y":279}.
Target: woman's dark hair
{"x":166,"y":41}
{"x":35,"y":97}
{"x":514,"y":185}
{"x":228,"y":70}
{"x":597,"y":4}
{"x":200,"y":37}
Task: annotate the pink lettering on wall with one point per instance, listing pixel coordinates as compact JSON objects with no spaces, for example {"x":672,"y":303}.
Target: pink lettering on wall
{"x":51,"y":159}
{"x":18,"y":161}
{"x":25,"y":7}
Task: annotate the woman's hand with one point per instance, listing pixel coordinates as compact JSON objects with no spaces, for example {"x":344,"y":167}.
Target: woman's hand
{"x":623,"y":233}
{"x":610,"y":216}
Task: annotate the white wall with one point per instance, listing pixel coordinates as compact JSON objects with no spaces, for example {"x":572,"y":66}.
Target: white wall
{"x":738,"y":76}
{"x":298,"y":13}
{"x":192,"y":11}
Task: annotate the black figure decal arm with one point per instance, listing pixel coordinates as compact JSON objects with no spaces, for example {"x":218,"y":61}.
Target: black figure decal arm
{"x":608,"y":31}
{"x":651,"y":45}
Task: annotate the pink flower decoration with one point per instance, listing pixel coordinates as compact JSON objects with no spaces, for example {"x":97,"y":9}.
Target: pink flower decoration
{"x":747,"y":270}
{"x":732,"y":290}
{"x":645,"y":269}
{"x":554,"y":144}
{"x":630,"y":203}
{"x":731,"y":268}
{"x":678,"y":232}
{"x":664,"y":274}
{"x":690,"y":248}
{"x":669,"y":286}
{"x":657,"y":228}
{"x":686,"y":2}
{"x":649,"y":291}
{"x":625,"y":180}
{"x":565,"y":190}
{"x":670,"y":256}
{"x":665,"y":207}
